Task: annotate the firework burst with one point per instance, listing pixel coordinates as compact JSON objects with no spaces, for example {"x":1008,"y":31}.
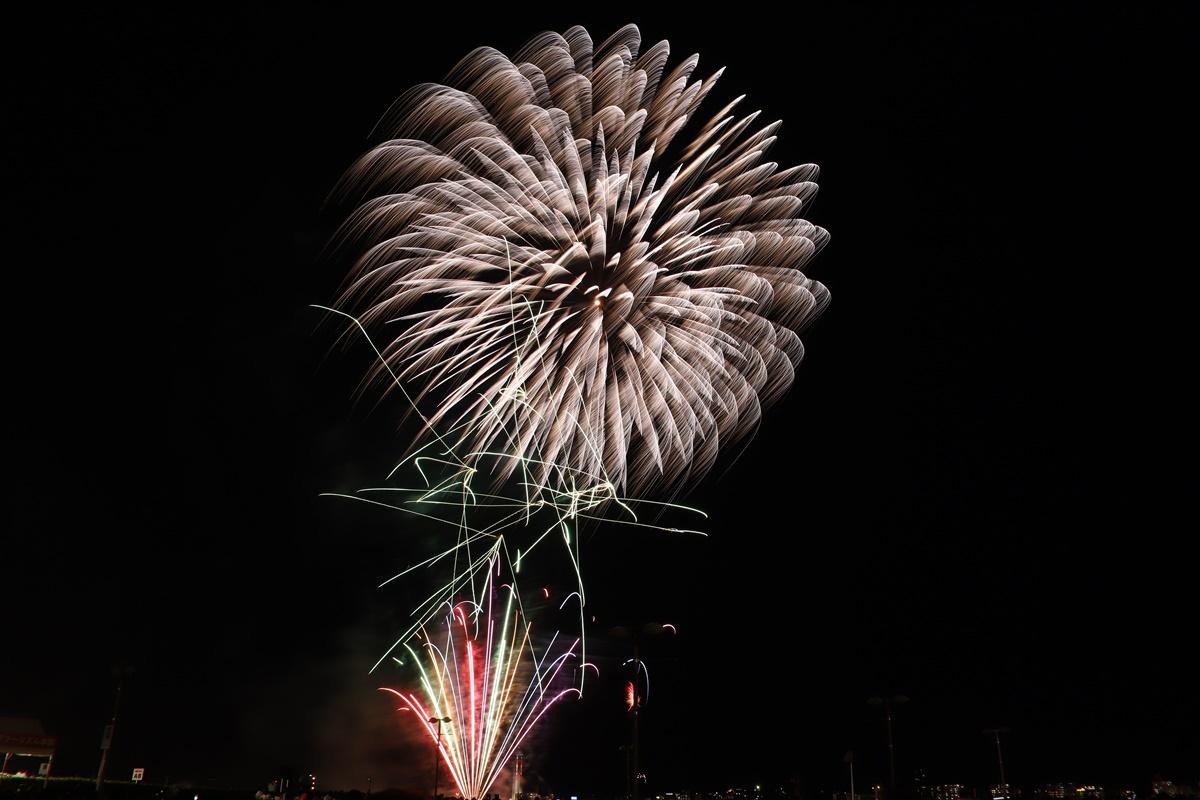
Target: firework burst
{"x":578,"y":294}
{"x":590,"y":290}
{"x":485,"y":683}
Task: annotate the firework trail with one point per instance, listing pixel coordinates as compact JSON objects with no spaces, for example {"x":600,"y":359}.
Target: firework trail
{"x":485,"y":685}
{"x":448,"y":498}
{"x":578,"y":297}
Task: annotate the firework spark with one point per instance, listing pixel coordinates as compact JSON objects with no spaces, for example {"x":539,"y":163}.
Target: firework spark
{"x":485,"y":687}
{"x":580,"y":298}
{"x":523,"y":521}
{"x":528,"y":517}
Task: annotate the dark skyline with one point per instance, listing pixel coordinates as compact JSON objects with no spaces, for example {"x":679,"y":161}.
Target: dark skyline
{"x":962,"y":498}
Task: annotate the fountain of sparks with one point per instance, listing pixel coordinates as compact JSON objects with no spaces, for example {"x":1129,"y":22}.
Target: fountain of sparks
{"x":485,"y":682}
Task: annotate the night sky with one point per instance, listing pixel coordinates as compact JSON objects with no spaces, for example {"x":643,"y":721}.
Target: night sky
{"x":972,"y":496}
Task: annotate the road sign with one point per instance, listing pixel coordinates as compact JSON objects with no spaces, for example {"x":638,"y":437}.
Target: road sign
{"x":138,"y":773}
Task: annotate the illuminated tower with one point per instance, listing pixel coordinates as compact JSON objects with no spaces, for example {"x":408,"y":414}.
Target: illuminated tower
{"x":518,"y":771}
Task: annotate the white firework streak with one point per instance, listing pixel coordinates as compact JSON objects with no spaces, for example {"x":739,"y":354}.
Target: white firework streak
{"x":562,"y":307}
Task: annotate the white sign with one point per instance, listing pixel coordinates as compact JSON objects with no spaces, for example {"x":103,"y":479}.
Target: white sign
{"x":138,"y":773}
{"x":43,"y":769}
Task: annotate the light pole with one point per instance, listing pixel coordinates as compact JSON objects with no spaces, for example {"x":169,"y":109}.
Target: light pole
{"x":518,"y":773}
{"x":887,"y":703}
{"x":849,"y":759}
{"x":437,"y":751}
{"x":637,"y":707}
{"x":110,"y":730}
{"x":995,"y":732}
{"x":636,"y":632}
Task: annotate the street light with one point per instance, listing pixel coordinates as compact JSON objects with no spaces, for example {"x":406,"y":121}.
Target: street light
{"x":121,"y":673}
{"x":887,"y":703}
{"x":636,"y":632}
{"x":999,"y":754}
{"x":437,"y":751}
